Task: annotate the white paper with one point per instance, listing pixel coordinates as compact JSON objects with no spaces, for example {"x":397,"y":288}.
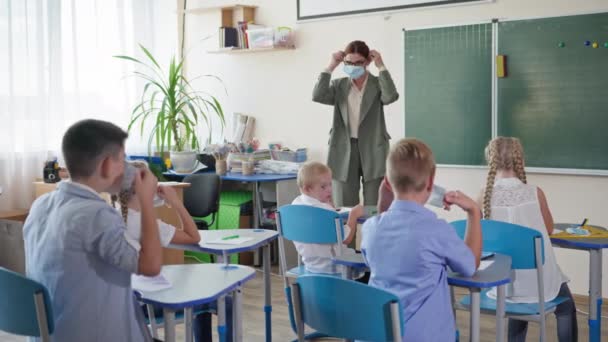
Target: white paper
{"x":235,"y":241}
{"x":556,"y":231}
{"x":149,"y":284}
{"x":485,"y":264}
{"x":169,"y":183}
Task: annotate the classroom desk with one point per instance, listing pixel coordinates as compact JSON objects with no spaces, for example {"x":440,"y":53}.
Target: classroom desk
{"x":261,"y":239}
{"x":198,"y":284}
{"x":498,"y":274}
{"x":594,"y":247}
{"x":285,"y":191}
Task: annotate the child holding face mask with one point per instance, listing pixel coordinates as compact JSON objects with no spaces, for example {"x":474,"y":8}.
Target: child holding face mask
{"x":358,"y":142}
{"x":130,"y":210}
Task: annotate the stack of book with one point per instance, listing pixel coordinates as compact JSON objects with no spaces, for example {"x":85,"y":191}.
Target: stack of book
{"x":236,"y":37}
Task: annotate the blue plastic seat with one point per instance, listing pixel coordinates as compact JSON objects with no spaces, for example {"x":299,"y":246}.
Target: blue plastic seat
{"x":326,"y":304}
{"x":306,"y":224}
{"x":489,"y":304}
{"x":525,"y":247}
{"x":25,"y":308}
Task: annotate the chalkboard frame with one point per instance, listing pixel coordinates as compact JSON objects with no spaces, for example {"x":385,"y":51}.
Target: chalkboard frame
{"x":444,"y":3}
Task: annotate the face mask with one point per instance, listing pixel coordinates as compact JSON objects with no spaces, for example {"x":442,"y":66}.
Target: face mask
{"x":354,"y":71}
{"x":128,"y":177}
{"x":437,"y":195}
{"x":128,"y":182}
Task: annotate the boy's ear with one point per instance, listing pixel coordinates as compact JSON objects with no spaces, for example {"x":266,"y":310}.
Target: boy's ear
{"x":431,"y":181}
{"x":104,"y":167}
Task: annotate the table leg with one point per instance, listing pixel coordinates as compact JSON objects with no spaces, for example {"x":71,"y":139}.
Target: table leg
{"x":169,"y":317}
{"x":500,"y":313}
{"x":453,"y":299}
{"x":237,"y":315}
{"x":267,"y":304}
{"x":475,"y":313}
{"x":221,"y":318}
{"x":257,"y":204}
{"x":595,"y":294}
{"x":152,"y":319}
{"x":188,"y":324}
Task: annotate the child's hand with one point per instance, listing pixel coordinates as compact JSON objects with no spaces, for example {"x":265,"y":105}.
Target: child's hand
{"x":356,"y":212}
{"x":168,"y":194}
{"x":463,"y":201}
{"x":145,"y":185}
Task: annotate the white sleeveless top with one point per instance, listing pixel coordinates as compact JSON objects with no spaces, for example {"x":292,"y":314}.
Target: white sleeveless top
{"x":516,"y":202}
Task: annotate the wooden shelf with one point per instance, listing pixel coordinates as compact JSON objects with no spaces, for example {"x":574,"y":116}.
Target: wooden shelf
{"x":207,"y":9}
{"x":237,"y":50}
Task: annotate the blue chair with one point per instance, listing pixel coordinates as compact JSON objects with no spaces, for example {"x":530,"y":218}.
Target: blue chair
{"x":25,"y":308}
{"x":326,"y":304}
{"x":306,"y":224}
{"x":525,"y":247}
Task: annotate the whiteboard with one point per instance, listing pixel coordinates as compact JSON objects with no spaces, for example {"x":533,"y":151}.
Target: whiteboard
{"x":314,"y":9}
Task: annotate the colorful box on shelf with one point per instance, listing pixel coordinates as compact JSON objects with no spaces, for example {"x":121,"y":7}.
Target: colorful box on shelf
{"x":269,"y":37}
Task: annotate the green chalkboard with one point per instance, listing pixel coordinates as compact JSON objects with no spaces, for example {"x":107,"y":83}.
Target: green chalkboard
{"x":555,"y":96}
{"x":448,"y":75}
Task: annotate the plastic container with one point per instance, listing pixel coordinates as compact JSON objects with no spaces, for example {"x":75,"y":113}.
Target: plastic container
{"x":283,"y":37}
{"x":298,"y":156}
{"x":261,"y":38}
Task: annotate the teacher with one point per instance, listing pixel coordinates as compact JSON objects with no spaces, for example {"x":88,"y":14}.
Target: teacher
{"x":358,"y":140}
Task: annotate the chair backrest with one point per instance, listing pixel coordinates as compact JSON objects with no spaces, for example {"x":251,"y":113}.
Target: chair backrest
{"x":327,"y":304}
{"x":202,"y":197}
{"x":510,"y":239}
{"x":307,"y":224}
{"x":25,"y":308}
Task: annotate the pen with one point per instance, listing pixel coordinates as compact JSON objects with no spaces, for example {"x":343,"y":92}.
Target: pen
{"x":230,"y":237}
{"x":584,"y":222}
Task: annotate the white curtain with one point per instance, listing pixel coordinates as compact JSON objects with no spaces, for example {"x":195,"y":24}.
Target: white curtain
{"x":56,"y":67}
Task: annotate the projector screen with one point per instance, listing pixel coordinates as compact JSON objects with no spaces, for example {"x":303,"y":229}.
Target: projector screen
{"x":314,"y":9}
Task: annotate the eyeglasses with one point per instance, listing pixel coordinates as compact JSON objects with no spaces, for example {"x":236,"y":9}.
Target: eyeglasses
{"x":357,"y":63}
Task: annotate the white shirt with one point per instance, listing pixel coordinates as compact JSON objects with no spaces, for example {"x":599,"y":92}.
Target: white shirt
{"x":516,"y":202}
{"x":317,"y":257}
{"x":133,"y":233}
{"x":355,"y":96}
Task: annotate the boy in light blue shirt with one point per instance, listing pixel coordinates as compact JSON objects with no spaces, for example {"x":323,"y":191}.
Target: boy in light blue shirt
{"x":75,"y":242}
{"x":408,"y":248}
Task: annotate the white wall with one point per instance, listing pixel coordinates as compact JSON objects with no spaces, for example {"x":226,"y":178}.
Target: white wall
{"x":276,"y":87}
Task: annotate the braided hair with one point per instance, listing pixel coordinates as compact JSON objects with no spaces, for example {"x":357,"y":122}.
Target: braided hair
{"x":502,"y":153}
{"x":125,"y":195}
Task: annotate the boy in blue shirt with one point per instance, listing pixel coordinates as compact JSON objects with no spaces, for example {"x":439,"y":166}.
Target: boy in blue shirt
{"x":75,"y":242}
{"x":408,"y":248}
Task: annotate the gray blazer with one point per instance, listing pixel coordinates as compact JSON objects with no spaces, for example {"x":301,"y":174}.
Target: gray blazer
{"x":373,"y":137}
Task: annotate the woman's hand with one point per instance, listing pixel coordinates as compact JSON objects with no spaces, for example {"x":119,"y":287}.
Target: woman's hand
{"x":376,"y":58}
{"x":336,"y":58}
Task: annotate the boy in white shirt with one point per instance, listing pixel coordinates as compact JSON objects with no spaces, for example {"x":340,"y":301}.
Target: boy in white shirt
{"x":314,"y":181}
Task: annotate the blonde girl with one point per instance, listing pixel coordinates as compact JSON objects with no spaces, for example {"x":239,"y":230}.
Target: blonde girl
{"x":508,"y":197}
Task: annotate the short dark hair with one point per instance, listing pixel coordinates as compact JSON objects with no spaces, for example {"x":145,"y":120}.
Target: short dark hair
{"x":86,"y":142}
{"x":357,"y":46}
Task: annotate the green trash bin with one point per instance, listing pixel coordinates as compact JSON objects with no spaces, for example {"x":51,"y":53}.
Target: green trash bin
{"x":228,"y":217}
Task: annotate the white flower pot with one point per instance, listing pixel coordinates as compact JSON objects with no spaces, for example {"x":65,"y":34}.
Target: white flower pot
{"x":183,"y":162}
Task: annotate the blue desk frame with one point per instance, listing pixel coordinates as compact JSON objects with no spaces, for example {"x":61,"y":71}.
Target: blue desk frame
{"x":595,"y":248}
{"x":498,"y":274}
{"x":198,"y":284}
{"x":262,"y":239}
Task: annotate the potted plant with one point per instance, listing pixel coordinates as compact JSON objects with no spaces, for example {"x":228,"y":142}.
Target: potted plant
{"x":174,"y":109}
